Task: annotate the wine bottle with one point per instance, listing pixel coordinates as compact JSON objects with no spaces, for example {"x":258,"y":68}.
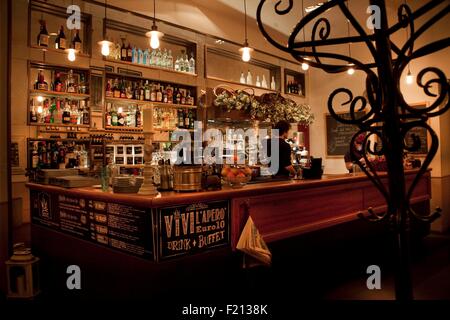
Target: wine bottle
{"x":60,"y":41}
{"x":43,"y":36}
{"x":76,"y":41}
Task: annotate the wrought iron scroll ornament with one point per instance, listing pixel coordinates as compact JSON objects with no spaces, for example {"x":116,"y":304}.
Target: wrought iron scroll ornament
{"x":387,"y":116}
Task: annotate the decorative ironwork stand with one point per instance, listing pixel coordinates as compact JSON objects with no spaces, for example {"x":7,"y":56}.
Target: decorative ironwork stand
{"x":388,"y":118}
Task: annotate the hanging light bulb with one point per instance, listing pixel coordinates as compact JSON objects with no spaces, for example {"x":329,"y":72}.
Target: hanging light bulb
{"x":351,"y":70}
{"x":71,"y":54}
{"x":40,"y":109}
{"x":409,"y":78}
{"x":105,"y":47}
{"x":246,"y":51}
{"x":154,"y":34}
{"x":40,"y":98}
{"x":105,"y":44}
{"x":305,"y":66}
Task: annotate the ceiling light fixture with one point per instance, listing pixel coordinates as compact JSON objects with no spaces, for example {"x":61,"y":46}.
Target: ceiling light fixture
{"x":246,"y":51}
{"x":105,"y":43}
{"x":154,"y":34}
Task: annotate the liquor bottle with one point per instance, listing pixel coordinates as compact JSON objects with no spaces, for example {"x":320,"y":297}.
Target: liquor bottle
{"x":170,"y":60}
{"x":141,"y":92}
{"x":147,"y":91}
{"x":109,"y":91}
{"x":192,"y":63}
{"x":242,"y":78}
{"x":159,"y":94}
{"x":177,"y":64}
{"x":187,"y":123}
{"x":116,"y":89}
{"x":180,"y":119}
{"x":117,"y":51}
{"x":59,"y":113}
{"x":82,"y":87}
{"x":146,"y":60}
{"x":177,"y":96}
{"x":186,"y":63}
{"x":128,"y":90}
{"x":33,"y":115}
{"x":258,"y":82}
{"x":136,"y":92}
{"x":191,"y":119}
{"x":57,"y":84}
{"x":108,"y":115}
{"x":35,"y":157}
{"x":164,"y":96}
{"x":76,"y":41}
{"x":74,"y":115}
{"x":43,"y":36}
{"x":123,"y":51}
{"x":66,"y":114}
{"x":153,"y":92}
{"x":138,"y":118}
{"x":86,"y":119}
{"x":140,"y":56}
{"x":273,"y":84}
{"x":264,"y":82}
{"x":71,"y":85}
{"x":169,"y":91}
{"x":60,"y":41}
{"x":183,"y":98}
{"x":189,"y":98}
{"x":134,"y":55}
{"x":164,"y":59}
{"x":131,"y":119}
{"x":129,"y":53}
{"x":249,"y":78}
{"x":159,"y":55}
{"x":123,"y":93}
{"x":114,"y":118}
{"x":41,"y":84}
{"x":152,"y":58}
{"x":120,"y":119}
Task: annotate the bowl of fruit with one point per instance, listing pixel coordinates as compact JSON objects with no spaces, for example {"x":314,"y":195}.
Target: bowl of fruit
{"x":236,"y":176}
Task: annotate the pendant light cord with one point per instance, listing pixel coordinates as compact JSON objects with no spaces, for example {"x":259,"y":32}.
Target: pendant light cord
{"x":154,"y":12}
{"x":407,"y":37}
{"x":304,"y":34}
{"x":245,"y":20}
{"x":348,"y":33}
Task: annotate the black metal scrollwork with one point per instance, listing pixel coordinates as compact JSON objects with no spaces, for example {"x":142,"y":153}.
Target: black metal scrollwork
{"x":388,"y":119}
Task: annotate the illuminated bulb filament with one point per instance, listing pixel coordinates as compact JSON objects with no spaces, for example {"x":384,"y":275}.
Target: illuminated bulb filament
{"x":105,"y":49}
{"x":351,"y":71}
{"x":409,"y":78}
{"x":246,"y":54}
{"x":305,"y":66}
{"x":71,"y":55}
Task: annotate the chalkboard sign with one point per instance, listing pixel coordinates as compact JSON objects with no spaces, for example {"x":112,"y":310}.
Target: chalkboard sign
{"x":339,"y":135}
{"x":418,"y":131}
{"x":120,"y":227}
{"x":189,"y":229}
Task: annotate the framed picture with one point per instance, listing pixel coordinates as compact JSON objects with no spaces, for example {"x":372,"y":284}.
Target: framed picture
{"x":18,"y":157}
{"x":422,"y":133}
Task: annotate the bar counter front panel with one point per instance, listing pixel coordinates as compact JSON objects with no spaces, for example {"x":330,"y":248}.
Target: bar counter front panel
{"x":164,"y":237}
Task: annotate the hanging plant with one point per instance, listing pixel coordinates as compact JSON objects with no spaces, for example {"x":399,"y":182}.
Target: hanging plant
{"x":234,"y":99}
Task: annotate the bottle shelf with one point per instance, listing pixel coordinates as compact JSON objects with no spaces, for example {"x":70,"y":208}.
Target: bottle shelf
{"x":171,"y":130}
{"x":50,"y":49}
{"x":150,"y":67}
{"x":241,"y":84}
{"x":59,"y":125}
{"x":295,"y":95}
{"x":74,"y":96}
{"x":124,"y":129}
{"x":150,"y":103}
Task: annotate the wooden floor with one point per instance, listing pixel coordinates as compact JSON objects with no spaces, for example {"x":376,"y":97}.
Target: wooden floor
{"x":335,"y":270}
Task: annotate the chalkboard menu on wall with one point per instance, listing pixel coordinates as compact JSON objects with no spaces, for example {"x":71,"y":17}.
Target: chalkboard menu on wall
{"x":420,"y":132}
{"x":189,"y":229}
{"x":339,"y":135}
{"x":120,"y":227}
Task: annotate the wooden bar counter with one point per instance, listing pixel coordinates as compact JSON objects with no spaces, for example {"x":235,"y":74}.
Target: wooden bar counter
{"x":185,"y":230}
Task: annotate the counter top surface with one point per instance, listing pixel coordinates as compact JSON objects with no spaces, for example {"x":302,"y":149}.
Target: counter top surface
{"x":168,"y":198}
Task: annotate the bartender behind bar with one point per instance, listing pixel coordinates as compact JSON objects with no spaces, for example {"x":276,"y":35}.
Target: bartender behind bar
{"x":357,"y":151}
{"x":285,"y":167}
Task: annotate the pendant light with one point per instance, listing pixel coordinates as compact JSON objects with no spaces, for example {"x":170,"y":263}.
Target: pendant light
{"x":154,"y":34}
{"x":409,"y":76}
{"x":351,"y":69}
{"x":105,"y":43}
{"x":305,"y":65}
{"x":71,"y":52}
{"x":246,"y":51}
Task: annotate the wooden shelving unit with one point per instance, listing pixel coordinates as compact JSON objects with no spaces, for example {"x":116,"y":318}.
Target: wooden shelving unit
{"x":127,"y":63}
{"x":150,"y":103}
{"x":68,"y":95}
